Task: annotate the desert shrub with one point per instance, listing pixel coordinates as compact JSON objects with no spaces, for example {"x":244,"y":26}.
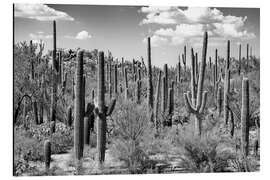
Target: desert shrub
{"x":131,"y":124}
{"x":28,"y":144}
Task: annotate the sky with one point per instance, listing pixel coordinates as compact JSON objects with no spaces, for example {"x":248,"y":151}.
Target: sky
{"x":124,"y":29}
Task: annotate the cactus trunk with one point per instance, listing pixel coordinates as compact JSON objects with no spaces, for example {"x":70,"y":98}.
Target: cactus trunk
{"x":226,"y":85}
{"x":245,"y":118}
{"x":149,"y":84}
{"x":79,"y":111}
{"x":156,"y":105}
{"x":101,"y":118}
{"x":47,"y":154}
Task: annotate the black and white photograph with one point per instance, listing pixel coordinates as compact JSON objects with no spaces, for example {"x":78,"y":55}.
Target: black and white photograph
{"x":135,"y":89}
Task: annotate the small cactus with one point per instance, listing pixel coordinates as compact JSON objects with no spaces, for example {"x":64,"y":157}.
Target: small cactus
{"x":47,"y":154}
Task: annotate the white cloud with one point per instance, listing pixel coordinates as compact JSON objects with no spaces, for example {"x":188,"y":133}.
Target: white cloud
{"x":191,"y":23}
{"x":157,"y":41}
{"x":83,"y":35}
{"x":40,"y":12}
{"x":40,"y":35}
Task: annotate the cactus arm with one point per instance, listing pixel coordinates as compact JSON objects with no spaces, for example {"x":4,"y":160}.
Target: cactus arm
{"x":204,"y":99}
{"x":111,"y":107}
{"x":193,"y":83}
{"x":188,"y":105}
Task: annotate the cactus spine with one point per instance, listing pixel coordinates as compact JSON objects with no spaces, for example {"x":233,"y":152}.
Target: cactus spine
{"x":198,"y":108}
{"x":150,"y":85}
{"x":226,"y":85}
{"x":156,"y":105}
{"x":101,"y":118}
{"x":54,"y":77}
{"x":47,"y":154}
{"x":79,"y":110}
{"x":245,"y":118}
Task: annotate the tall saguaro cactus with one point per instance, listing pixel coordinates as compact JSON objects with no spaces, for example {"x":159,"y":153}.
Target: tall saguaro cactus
{"x":115,"y":80}
{"x":101,"y":118}
{"x":179,"y":69}
{"x":150,"y":85}
{"x":245,"y":117}
{"x":240,"y":58}
{"x":165,"y":92}
{"x":54,"y":76}
{"x":126,"y":84}
{"x":79,"y":111}
{"x":156,"y":105}
{"x":198,"y":107}
{"x":226,"y":85}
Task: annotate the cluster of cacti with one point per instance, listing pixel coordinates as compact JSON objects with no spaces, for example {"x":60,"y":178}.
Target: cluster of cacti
{"x":196,"y":104}
{"x":114,"y":84}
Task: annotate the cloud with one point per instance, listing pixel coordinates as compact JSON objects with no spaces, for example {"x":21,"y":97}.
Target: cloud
{"x":40,"y":35}
{"x":83,"y":35}
{"x":40,"y":12}
{"x":157,"y":41}
{"x":191,"y":23}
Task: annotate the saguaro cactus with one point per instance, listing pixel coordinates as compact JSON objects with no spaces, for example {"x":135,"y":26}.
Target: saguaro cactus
{"x":163,"y":98}
{"x":156,"y":105}
{"x":79,"y":110}
{"x":219,"y":101}
{"x":126,"y":84}
{"x":226,"y":85}
{"x":101,"y":118}
{"x":150,"y":85}
{"x":165,"y":86}
{"x":69,"y":117}
{"x":115,"y":80}
{"x":102,"y":111}
{"x":138,"y":91}
{"x":170,"y":105}
{"x":47,"y":154}
{"x":86,"y":130}
{"x":54,"y":77}
{"x":35,"y":111}
{"x":179,"y":69}
{"x":245,"y":117}
{"x":240,"y":58}
{"x":198,"y":107}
